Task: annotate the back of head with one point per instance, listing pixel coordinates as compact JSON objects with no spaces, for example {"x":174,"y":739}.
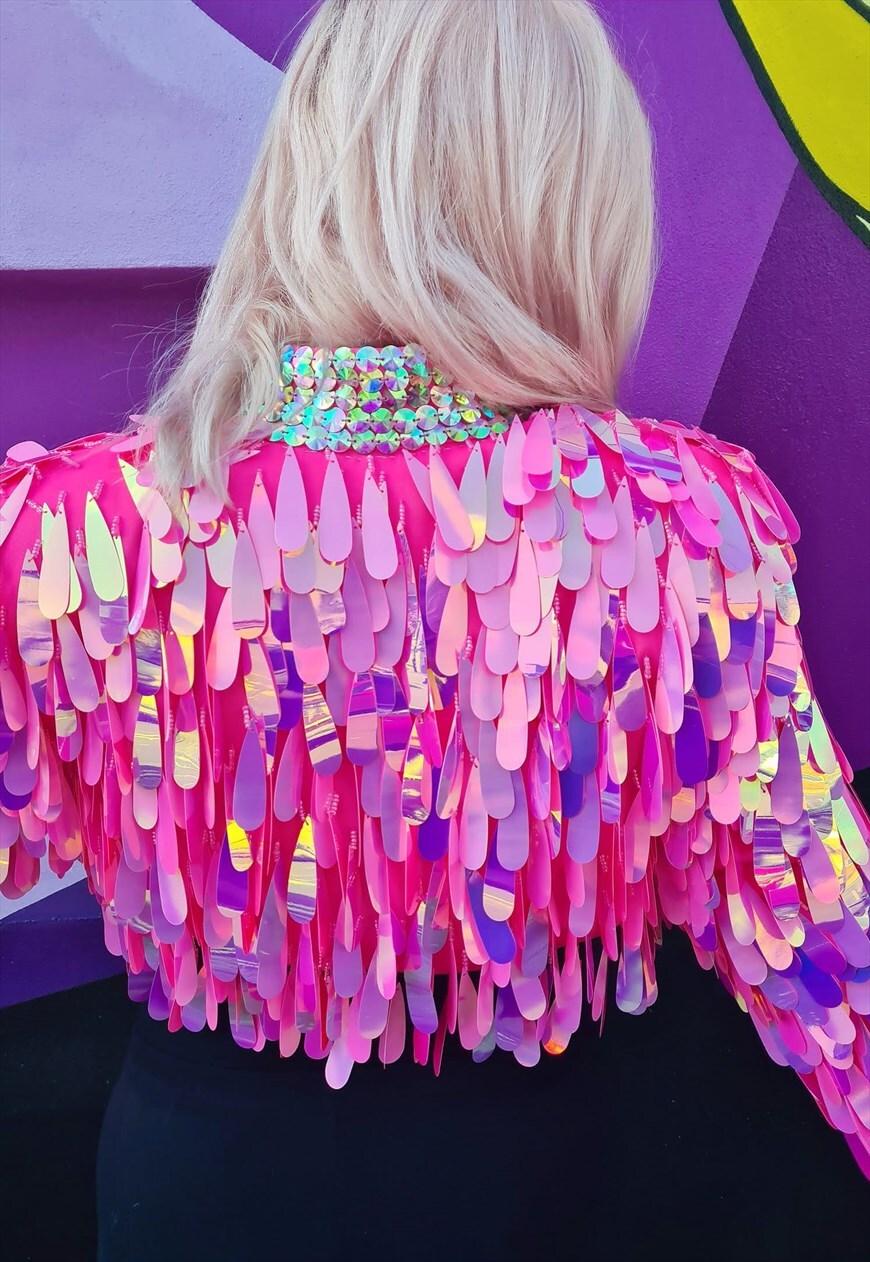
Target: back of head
{"x":474,"y":176}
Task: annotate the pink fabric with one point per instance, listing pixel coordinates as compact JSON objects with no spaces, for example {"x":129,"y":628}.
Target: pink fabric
{"x":499,"y":710}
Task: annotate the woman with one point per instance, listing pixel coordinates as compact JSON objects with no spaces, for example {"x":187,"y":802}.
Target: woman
{"x":390,"y":694}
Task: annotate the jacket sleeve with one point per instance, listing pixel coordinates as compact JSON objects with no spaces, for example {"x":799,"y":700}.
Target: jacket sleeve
{"x":768,"y":875}
{"x":48,"y":716}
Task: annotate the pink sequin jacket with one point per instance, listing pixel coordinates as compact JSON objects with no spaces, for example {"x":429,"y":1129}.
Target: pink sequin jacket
{"x":499,"y":706}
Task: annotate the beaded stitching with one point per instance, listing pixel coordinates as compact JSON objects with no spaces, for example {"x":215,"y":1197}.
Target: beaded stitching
{"x":374,"y":399}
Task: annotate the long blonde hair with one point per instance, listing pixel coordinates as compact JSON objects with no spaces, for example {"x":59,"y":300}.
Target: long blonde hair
{"x":474,"y":176}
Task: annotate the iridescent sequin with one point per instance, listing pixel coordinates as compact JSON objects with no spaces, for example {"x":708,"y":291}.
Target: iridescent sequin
{"x":374,"y":399}
{"x":502,"y":709}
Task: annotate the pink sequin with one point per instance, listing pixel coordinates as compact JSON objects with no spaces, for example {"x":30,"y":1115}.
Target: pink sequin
{"x":501,"y":709}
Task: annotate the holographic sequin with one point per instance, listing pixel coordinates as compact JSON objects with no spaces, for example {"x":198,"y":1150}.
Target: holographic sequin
{"x":502,"y":709}
{"x":374,"y":399}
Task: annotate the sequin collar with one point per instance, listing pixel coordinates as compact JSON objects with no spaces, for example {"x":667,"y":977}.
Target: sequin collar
{"x":374,"y":399}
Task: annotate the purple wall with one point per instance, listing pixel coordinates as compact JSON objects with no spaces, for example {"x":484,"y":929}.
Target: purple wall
{"x":77,"y":347}
{"x":794,"y":389}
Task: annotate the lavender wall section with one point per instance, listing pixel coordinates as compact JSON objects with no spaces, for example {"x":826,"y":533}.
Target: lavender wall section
{"x":128,"y":130}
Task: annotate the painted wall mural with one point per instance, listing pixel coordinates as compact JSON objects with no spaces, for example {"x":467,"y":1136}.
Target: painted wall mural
{"x":129,"y":128}
{"x":810,"y":63}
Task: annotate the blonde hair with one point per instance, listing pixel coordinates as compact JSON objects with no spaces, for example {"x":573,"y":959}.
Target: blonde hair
{"x":474,"y":176}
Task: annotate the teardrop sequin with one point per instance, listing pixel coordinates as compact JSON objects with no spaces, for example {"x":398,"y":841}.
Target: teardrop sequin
{"x":501,"y":707}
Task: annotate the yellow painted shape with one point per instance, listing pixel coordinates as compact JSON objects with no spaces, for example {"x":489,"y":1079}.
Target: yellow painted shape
{"x":817,"y":55}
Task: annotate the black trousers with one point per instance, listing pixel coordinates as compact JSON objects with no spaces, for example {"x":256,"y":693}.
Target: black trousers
{"x":672,"y":1136}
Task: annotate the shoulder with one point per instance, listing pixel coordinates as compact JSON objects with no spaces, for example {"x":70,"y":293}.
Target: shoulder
{"x":713,"y":490}
{"x":115,"y":472}
{"x":84,"y":501}
{"x":36,"y":484}
{"x":89,"y":510}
